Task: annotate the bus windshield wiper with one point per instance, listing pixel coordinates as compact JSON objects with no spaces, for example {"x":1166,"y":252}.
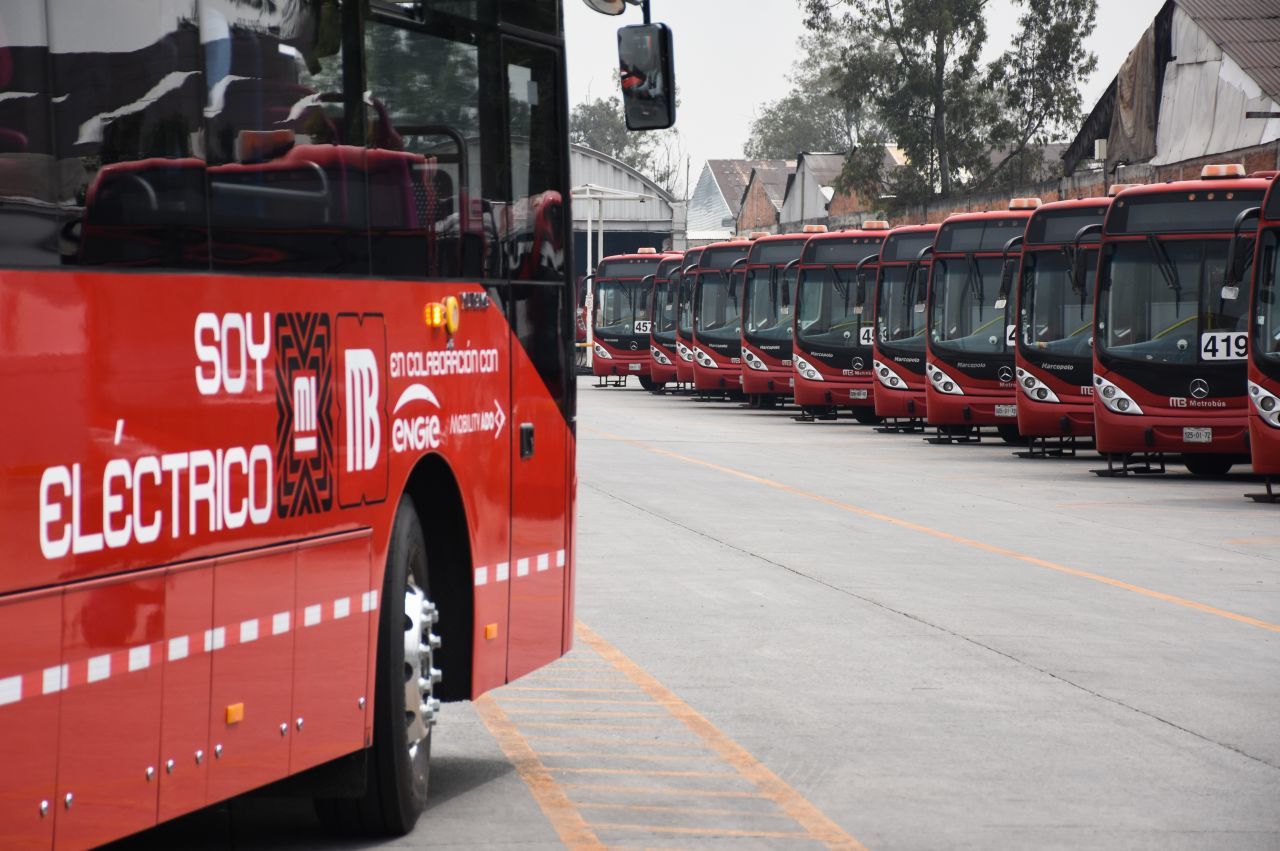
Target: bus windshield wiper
{"x":841,"y":285}
{"x":1167,"y":269}
{"x":975,"y":278}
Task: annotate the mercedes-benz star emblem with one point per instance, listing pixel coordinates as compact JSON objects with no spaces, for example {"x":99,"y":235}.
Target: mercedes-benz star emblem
{"x":857,"y":363}
{"x":1199,"y":388}
{"x":1005,"y":374}
{"x":634,"y":345}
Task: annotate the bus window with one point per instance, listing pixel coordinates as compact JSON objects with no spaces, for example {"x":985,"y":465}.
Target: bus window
{"x":535,"y":238}
{"x":128,"y":90}
{"x":287,"y":193}
{"x":534,"y":14}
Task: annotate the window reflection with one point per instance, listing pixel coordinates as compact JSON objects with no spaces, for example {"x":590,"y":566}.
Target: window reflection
{"x":535,"y":226}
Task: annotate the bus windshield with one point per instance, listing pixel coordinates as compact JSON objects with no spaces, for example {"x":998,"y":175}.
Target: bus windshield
{"x":1266,"y":340}
{"x":831,"y":312}
{"x":898,"y":322}
{"x":769,"y":302}
{"x":622,"y":307}
{"x":1055,"y":319}
{"x":1164,"y":302}
{"x":719,"y":312}
{"x":965,"y":316}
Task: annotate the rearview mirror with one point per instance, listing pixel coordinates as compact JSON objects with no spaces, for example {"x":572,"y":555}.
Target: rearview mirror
{"x":608,"y":7}
{"x":647,"y":64}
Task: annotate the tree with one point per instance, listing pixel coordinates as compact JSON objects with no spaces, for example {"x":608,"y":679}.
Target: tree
{"x":813,"y":116}
{"x":601,"y":125}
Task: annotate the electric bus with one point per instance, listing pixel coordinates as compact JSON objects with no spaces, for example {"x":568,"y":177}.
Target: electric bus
{"x":717,"y":317}
{"x":662,"y":334}
{"x":767,"y":312}
{"x":1264,"y":350}
{"x":1171,"y":337}
{"x":684,"y":318}
{"x":833,"y":327}
{"x":971,"y":323}
{"x":621,"y":298}
{"x":902,"y":282}
{"x":1054,"y":355}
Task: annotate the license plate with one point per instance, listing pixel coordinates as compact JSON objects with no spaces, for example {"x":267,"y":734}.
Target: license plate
{"x":1197,"y":435}
{"x":857,"y":394}
{"x":634,"y":367}
{"x":1006,"y":410}
{"x":791,"y":382}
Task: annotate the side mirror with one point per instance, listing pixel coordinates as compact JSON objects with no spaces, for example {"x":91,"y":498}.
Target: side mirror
{"x":608,"y":7}
{"x":1006,"y":281}
{"x":647,"y":63}
{"x":922,"y":287}
{"x":1235,"y":267}
{"x":1078,"y":258}
{"x":786,"y":288}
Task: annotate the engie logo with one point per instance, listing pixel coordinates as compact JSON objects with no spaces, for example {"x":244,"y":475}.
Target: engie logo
{"x":416,"y":433}
{"x":361,"y":346}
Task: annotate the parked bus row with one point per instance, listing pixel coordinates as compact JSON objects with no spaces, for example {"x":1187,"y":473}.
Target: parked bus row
{"x":1144,"y":322}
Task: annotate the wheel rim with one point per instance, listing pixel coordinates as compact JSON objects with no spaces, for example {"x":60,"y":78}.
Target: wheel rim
{"x":420,"y":673}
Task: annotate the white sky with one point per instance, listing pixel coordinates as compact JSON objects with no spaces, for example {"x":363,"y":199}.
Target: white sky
{"x":731,"y":57}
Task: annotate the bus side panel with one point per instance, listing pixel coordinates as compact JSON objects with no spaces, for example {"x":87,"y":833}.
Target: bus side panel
{"x":571,"y":540}
{"x":30,"y":646}
{"x":184,"y":723}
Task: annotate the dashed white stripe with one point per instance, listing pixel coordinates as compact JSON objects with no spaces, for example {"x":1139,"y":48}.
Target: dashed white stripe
{"x":248,"y":631}
{"x":311,"y":616}
{"x":368,"y":601}
{"x":544,"y":561}
{"x":10,"y":690}
{"x":99,"y":668}
{"x":215,"y":639}
{"x":559,"y":558}
{"x":522,"y":567}
{"x":503,"y":571}
{"x":482,"y":576}
{"x":341,"y":607}
{"x":139,"y":657}
{"x":55,"y":678}
{"x":279,"y":623}
{"x":179,"y":648}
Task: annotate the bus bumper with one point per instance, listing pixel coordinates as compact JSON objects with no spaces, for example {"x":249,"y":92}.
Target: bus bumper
{"x":758,"y":382}
{"x":619,"y":365}
{"x":1041,"y":419}
{"x":901,"y":404}
{"x":841,"y":394}
{"x":1121,"y":434}
{"x":971,"y":409}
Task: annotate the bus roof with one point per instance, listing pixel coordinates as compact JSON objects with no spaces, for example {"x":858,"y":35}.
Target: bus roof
{"x":1058,"y":222}
{"x":921,"y":235}
{"x":779,"y":242}
{"x":1271,"y":209}
{"x":987,"y":231}
{"x":1184,"y":206}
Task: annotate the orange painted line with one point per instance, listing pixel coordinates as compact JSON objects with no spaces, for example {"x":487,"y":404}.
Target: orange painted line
{"x":705,"y":831}
{"x":567,"y":821}
{"x":643,"y":757}
{"x":955,"y":539}
{"x":664,"y":790}
{"x":654,"y":808}
{"x":637,"y":772}
{"x":594,"y":713}
{"x":570,"y":690}
{"x":602,"y":740}
{"x":574,"y":725}
{"x":771,"y":786}
{"x":574,"y":701}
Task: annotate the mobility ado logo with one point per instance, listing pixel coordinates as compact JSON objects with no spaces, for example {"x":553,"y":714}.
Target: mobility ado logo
{"x":423,"y":432}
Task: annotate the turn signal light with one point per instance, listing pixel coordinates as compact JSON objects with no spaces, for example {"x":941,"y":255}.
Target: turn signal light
{"x":1024,"y":203}
{"x":433,"y":314}
{"x":1218,"y":172}
{"x":1117,"y":188}
{"x":815,"y":229}
{"x":875,"y":224}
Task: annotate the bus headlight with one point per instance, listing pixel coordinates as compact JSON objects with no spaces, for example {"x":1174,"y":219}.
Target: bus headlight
{"x":805,"y":369}
{"x":753,"y":360}
{"x":942,"y":382}
{"x":1114,"y":398}
{"x":887,"y":376}
{"x":683,"y":351}
{"x":601,"y":352}
{"x":659,"y":356}
{"x":1034,"y":388}
{"x":704,"y":359}
{"x":1267,"y":404}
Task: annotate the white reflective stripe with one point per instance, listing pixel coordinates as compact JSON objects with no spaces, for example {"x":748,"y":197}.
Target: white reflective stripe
{"x":99,"y":668}
{"x":559,"y":558}
{"x":215,"y":639}
{"x":522,"y":567}
{"x":179,"y":648}
{"x":544,"y":561}
{"x":368,"y":601}
{"x":482,"y":576}
{"x":248,"y":631}
{"x":139,"y":657}
{"x":504,"y":571}
{"x":55,"y":678}
{"x":10,"y":690}
{"x":341,"y":607}
{"x":311,"y":616}
{"x":279,"y":623}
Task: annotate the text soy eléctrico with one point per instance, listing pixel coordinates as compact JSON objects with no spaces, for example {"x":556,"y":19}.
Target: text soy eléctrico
{"x":446,"y":362}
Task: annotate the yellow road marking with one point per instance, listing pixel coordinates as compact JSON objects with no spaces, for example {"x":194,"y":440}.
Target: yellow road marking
{"x":564,"y":817}
{"x":594,"y":713}
{"x":644,"y":757}
{"x":660,"y":790}
{"x":574,"y":725}
{"x":636,"y":772}
{"x":947,"y":536}
{"x":575,"y":701}
{"x":600,"y":740}
{"x":707,"y":831}
{"x":655,"y":808}
{"x":818,"y":825}
{"x":572,"y":690}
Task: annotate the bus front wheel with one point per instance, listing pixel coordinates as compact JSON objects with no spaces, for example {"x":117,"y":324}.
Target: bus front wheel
{"x":1208,"y":465}
{"x":649,"y":384}
{"x":866,"y":416}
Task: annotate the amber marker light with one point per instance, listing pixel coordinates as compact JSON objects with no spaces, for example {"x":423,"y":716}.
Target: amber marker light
{"x":1221,"y":171}
{"x":434,"y":314}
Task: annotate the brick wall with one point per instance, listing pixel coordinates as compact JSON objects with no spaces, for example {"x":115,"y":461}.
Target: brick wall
{"x":758,"y":212}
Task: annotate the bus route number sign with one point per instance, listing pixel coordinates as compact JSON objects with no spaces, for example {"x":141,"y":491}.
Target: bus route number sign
{"x":643,"y":326}
{"x":866,"y":336}
{"x":1224,"y":345}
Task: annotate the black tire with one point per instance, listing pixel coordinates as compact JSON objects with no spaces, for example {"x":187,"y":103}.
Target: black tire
{"x":1208,"y":465}
{"x":768,"y":403}
{"x":649,"y":384}
{"x":867,"y":416}
{"x":1009,"y":434}
{"x":396,"y":778}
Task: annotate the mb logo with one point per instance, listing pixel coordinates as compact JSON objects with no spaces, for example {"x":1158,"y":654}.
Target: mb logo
{"x":361,"y":344}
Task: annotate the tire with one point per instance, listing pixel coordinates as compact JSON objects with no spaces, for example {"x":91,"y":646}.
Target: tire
{"x":867,"y":416}
{"x":1208,"y":465}
{"x":649,"y":384}
{"x":1009,"y":434}
{"x":768,"y":403}
{"x":398,"y":764}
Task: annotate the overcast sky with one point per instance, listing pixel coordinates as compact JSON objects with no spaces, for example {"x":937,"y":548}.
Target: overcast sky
{"x":731,"y":57}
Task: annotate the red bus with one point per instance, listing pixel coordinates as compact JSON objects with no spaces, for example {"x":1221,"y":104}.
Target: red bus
{"x":971,"y":323}
{"x":622,"y":293}
{"x":717,"y":317}
{"x":899,"y":352}
{"x":834,"y":333}
{"x":1170,"y":340}
{"x":662,"y":335}
{"x":1264,"y":350}
{"x":1054,"y":357}
{"x":290,"y":453}
{"x":767,"y":316}
{"x":684,"y":318}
